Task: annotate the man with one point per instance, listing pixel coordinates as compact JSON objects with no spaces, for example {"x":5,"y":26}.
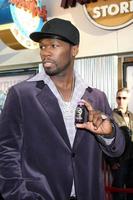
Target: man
{"x":44,"y":155}
{"x":122,"y":167}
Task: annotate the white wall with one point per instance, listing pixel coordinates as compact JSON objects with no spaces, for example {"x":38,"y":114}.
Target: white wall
{"x":130,"y":86}
{"x":94,"y":41}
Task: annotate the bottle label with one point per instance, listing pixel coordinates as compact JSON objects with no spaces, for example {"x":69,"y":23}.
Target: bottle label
{"x":80,"y":114}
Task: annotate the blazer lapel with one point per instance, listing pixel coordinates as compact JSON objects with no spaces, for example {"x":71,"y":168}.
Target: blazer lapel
{"x":51,"y":106}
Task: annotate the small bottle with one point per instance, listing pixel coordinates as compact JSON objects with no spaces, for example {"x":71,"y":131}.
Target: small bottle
{"x":80,"y":113}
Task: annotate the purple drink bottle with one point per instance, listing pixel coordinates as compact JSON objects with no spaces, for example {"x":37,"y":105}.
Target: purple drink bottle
{"x":80,"y":113}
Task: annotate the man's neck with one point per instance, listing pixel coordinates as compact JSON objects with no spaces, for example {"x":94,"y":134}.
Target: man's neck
{"x":65,"y":87}
{"x":123,"y":110}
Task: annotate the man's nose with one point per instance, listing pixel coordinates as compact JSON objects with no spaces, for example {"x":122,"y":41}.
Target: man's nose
{"x":46,"y":52}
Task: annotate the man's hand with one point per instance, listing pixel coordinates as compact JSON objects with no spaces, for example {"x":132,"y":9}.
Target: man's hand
{"x":97,"y":123}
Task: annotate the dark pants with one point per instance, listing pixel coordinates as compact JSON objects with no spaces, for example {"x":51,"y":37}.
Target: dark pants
{"x":123,"y":177}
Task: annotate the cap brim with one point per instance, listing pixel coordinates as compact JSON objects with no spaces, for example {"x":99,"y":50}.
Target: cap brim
{"x":37,"y":36}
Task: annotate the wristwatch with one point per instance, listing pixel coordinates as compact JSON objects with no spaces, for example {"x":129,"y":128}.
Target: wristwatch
{"x":104,"y":116}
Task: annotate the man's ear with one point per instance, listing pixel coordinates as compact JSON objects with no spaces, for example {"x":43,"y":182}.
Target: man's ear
{"x":75,"y":50}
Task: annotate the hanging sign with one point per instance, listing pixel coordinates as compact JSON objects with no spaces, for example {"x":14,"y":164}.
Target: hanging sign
{"x":28,"y":16}
{"x":5,"y":14}
{"x":110,"y":14}
{"x":20,"y":18}
{"x":72,"y":3}
{"x":106,"y":14}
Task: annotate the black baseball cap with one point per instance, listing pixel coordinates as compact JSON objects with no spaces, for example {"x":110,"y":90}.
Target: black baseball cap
{"x":60,"y":29}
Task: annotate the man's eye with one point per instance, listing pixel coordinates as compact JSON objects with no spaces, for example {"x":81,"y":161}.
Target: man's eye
{"x":42,"y":47}
{"x":54,"y":45}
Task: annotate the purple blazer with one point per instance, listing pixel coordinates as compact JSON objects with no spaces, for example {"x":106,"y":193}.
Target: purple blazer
{"x":36,"y":159}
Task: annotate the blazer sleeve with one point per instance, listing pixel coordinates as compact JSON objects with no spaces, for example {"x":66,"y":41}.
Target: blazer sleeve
{"x":116,"y":148}
{"x":12,"y":183}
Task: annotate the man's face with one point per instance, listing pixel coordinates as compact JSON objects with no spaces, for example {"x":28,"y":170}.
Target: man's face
{"x":122,"y":99}
{"x":57,"y":56}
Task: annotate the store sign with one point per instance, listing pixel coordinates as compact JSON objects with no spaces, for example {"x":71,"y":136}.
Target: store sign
{"x":110,"y":14}
{"x":28,"y":16}
{"x":72,"y":3}
{"x":106,"y":14}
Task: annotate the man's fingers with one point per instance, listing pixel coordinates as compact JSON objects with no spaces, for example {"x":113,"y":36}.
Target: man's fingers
{"x":97,"y":121}
{"x":88,"y":105}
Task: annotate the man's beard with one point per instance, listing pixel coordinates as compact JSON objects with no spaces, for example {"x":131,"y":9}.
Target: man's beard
{"x":57,"y":71}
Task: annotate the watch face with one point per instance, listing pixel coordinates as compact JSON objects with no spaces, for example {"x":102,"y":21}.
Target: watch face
{"x":104,"y":116}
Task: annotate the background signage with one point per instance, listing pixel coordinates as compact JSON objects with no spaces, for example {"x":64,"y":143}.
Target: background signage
{"x":106,"y":14}
{"x":110,"y":14}
{"x":25,"y":16}
{"x":5,"y":14}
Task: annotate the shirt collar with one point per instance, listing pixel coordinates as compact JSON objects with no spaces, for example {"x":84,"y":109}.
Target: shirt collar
{"x":42,"y":76}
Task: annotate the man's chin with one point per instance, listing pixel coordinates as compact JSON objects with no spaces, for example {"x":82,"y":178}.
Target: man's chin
{"x":50,"y":73}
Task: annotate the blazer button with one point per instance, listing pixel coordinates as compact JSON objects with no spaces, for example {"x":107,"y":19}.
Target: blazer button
{"x":73,"y":154}
{"x":113,"y":148}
